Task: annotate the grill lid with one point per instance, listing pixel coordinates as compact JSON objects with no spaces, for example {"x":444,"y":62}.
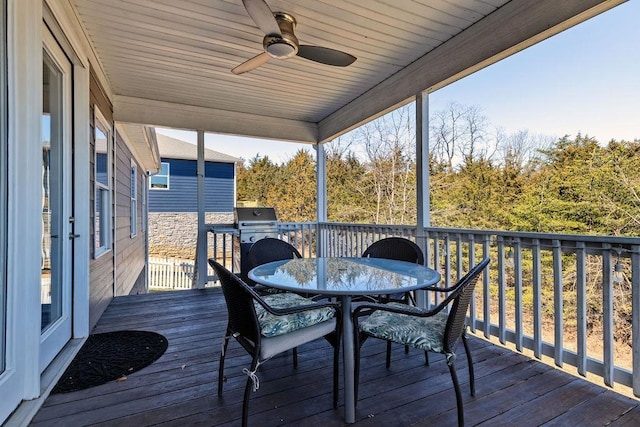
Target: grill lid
{"x":250,"y":217}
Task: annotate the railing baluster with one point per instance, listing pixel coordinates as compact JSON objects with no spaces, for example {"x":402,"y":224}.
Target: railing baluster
{"x":537,"y":298}
{"x":486,"y":289}
{"x":517,"y":272}
{"x":224,"y":252}
{"x":459,"y":256}
{"x":436,"y":252}
{"x":472,"y":261}
{"x":558,"y":303}
{"x":447,"y":260}
{"x":581,"y":289}
{"x":607,"y":316}
{"x":502,"y":330}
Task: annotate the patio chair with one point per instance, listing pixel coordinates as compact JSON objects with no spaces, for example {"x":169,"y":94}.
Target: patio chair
{"x":400,"y":249}
{"x":269,"y":325}
{"x":267,"y":250}
{"x":433,"y":330}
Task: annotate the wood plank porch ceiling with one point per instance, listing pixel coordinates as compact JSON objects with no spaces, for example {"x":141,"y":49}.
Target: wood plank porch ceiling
{"x":168,"y":62}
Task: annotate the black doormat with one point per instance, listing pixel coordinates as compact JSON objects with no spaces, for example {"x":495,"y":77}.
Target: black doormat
{"x":111,"y":356}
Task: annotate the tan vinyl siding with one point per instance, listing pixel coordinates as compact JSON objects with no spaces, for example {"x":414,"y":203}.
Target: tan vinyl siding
{"x":101,"y":270}
{"x":130,"y":251}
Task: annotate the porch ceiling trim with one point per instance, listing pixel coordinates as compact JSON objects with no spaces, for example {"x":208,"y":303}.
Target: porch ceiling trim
{"x":180,"y":116}
{"x":513,"y":27}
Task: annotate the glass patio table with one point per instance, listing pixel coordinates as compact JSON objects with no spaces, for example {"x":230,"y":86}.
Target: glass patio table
{"x":345,"y":278}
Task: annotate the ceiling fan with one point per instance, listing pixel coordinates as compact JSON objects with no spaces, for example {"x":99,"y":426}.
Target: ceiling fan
{"x":281,"y":43}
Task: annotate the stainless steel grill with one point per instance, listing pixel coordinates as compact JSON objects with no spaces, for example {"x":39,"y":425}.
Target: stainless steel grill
{"x":253,"y":224}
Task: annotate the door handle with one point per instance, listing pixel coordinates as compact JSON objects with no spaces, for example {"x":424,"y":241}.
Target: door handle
{"x":73,"y":236}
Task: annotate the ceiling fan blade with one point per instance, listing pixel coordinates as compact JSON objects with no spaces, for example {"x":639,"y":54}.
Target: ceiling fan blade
{"x":261,"y":14}
{"x":252,"y":63}
{"x":325,"y":55}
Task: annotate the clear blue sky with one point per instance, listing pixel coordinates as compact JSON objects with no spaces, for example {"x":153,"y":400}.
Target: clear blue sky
{"x":586,"y":79}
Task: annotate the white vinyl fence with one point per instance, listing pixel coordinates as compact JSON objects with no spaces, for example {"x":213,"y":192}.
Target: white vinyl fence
{"x":167,"y":274}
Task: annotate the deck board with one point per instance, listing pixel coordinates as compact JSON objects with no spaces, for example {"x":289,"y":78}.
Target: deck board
{"x":180,"y":388}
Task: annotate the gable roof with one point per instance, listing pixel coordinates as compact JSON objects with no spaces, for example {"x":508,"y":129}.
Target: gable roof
{"x":173,"y":148}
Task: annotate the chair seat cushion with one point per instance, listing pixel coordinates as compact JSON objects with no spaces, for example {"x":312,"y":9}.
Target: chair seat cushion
{"x":277,"y":344}
{"x":271,"y":325}
{"x":425,"y":333}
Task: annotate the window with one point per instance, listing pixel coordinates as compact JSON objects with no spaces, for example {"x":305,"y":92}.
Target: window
{"x":144,"y":212}
{"x":134,"y":198}
{"x":160,"y":181}
{"x":102,"y":184}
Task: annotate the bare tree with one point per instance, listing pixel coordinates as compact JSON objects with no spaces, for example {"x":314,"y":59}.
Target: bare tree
{"x":473,"y":144}
{"x":389,"y":146}
{"x":446,"y":133}
{"x":340,"y":146}
{"x":458,"y":133}
{"x":520,"y":150}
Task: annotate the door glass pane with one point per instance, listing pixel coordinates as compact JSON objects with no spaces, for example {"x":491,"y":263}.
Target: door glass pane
{"x":3,"y":187}
{"x":51,"y":295}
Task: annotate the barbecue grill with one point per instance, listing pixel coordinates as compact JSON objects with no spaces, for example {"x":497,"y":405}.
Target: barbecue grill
{"x":253,"y":224}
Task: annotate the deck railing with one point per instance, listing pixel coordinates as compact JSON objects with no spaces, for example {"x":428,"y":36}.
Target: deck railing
{"x":170,"y":274}
{"x":572,"y":298}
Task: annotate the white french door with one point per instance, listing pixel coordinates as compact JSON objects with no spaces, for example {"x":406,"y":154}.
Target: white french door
{"x":57,"y":198}
{"x":3,"y":189}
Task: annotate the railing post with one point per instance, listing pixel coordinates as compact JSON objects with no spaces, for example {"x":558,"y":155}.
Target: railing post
{"x":321,"y":197}
{"x":200,"y":274}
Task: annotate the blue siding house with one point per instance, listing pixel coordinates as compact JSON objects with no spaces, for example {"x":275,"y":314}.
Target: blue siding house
{"x":174,"y":188}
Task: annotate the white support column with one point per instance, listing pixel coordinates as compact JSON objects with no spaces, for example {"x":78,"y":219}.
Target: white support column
{"x":422,"y":179}
{"x":321,"y":196}
{"x":21,"y":378}
{"x":201,"y":249}
{"x":422,"y":168}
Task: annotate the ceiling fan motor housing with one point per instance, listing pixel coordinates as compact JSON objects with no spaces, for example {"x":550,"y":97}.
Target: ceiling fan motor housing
{"x":285,"y":44}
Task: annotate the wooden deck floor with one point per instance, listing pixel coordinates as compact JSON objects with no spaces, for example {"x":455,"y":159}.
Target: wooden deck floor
{"x":180,"y":388}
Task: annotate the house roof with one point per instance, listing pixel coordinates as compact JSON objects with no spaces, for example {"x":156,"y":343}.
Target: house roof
{"x":173,"y":148}
{"x":142,"y":141}
{"x":168,"y":63}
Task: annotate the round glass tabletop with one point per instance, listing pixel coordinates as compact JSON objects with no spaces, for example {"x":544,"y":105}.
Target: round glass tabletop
{"x":344,"y":276}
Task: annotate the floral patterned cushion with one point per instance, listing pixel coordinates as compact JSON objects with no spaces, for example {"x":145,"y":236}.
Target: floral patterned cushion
{"x":271,"y":325}
{"x":426,"y":333}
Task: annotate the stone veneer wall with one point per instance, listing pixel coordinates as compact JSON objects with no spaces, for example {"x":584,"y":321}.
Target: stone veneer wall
{"x":174,"y":235}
